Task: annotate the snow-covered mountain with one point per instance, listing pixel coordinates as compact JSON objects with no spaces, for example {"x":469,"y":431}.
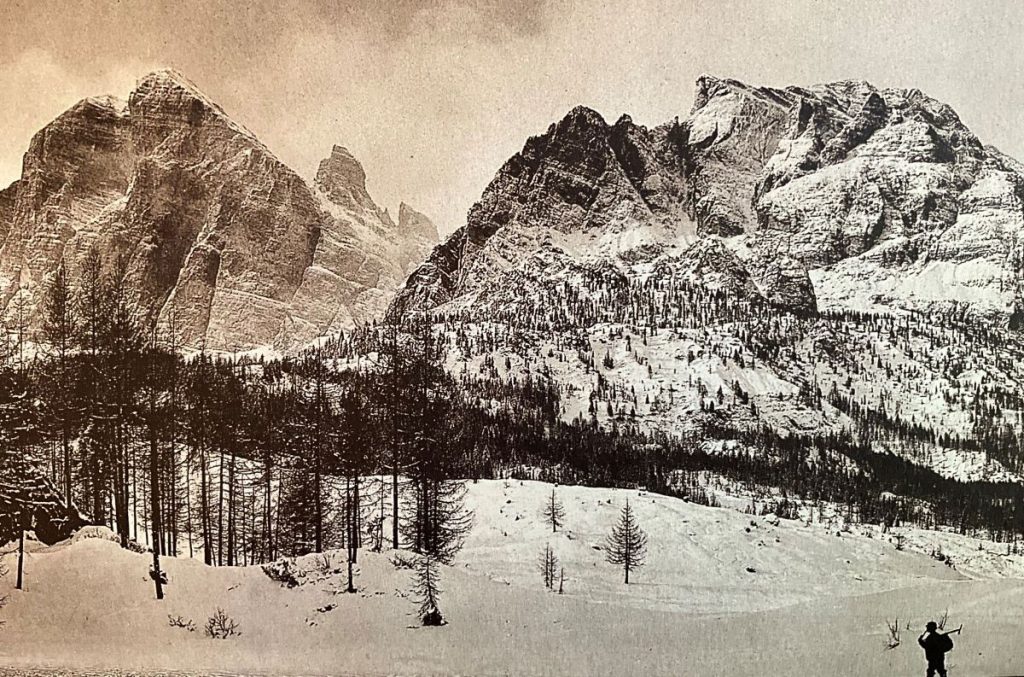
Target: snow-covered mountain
{"x":218,"y":235}
{"x":824,"y":260}
{"x":882,"y":197}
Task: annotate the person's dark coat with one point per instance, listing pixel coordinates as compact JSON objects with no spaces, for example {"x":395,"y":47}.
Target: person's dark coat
{"x":935,"y":646}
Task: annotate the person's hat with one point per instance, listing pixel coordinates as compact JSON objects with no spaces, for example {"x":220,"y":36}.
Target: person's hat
{"x":931,"y":626}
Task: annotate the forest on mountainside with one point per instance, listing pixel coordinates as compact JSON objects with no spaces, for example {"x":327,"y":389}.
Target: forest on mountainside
{"x":365,"y":440}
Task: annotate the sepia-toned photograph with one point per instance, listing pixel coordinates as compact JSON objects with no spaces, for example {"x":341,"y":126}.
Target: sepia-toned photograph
{"x":671,"y":338}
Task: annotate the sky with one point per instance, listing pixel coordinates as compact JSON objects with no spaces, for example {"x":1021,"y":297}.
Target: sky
{"x":432,"y":96}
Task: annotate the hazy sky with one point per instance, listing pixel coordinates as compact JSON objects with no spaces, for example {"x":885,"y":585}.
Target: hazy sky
{"x":433,"y":95}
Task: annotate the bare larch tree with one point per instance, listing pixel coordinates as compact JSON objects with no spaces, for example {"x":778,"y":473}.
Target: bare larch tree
{"x":627,"y":544}
{"x":554,"y":513}
{"x":548,"y":565}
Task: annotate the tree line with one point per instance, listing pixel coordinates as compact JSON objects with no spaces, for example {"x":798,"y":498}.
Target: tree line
{"x":237,"y":461}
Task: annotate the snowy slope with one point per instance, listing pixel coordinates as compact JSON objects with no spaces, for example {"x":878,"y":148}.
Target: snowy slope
{"x":694,"y":609}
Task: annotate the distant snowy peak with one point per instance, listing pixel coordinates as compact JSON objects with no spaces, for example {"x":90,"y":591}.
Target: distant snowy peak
{"x":841,"y":194}
{"x":414,"y":224}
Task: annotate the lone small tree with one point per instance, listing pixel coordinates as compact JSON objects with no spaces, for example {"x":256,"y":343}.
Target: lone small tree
{"x":554,"y":513}
{"x":548,"y":565}
{"x":627,"y":544}
{"x":427,"y":590}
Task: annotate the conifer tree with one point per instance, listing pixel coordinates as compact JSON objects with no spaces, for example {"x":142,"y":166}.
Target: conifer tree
{"x":554,"y":513}
{"x":438,"y":521}
{"x":627,"y":544}
{"x":60,"y":327}
{"x":548,"y":565}
{"x":427,"y":590}
{"x":153,"y":417}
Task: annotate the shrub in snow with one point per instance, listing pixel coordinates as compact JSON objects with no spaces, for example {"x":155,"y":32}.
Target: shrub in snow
{"x":88,"y":532}
{"x":402,"y":561}
{"x":282,"y":571}
{"x":893,"y":640}
{"x":221,"y":626}
{"x":105,"y":534}
{"x":180,"y":622}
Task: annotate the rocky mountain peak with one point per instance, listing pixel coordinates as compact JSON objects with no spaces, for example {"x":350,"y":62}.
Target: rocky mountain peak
{"x":710,"y":87}
{"x":77,"y":135}
{"x":219,"y":237}
{"x":342,"y":179}
{"x":169,"y":89}
{"x":413,"y":223}
{"x":824,"y":250}
{"x":167,"y":106}
{"x":582,"y":117}
{"x":171,"y":78}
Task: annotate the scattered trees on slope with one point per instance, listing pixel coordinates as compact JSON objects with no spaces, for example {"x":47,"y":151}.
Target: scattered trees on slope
{"x":548,"y":565}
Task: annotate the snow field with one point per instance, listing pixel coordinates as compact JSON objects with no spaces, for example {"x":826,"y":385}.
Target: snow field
{"x":815,"y":601}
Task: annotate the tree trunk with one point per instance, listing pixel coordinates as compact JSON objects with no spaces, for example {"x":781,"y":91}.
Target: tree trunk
{"x":21,"y":561}
{"x":231,"y":511}
{"x":277,"y":516}
{"x":154,"y":498}
{"x":318,"y":528}
{"x":133,"y":490}
{"x":351,"y":539}
{"x":204,"y":508}
{"x":394,"y":506}
{"x":220,"y":509}
{"x":355,"y":520}
{"x":188,"y":505}
{"x":267,"y":515}
{"x":65,"y":441}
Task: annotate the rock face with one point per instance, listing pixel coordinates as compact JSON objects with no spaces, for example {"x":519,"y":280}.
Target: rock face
{"x":884,"y":196}
{"x":839,"y":196}
{"x":585,"y":192}
{"x":219,"y":239}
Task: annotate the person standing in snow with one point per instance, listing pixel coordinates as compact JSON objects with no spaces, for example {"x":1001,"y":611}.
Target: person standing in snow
{"x":935,"y":645}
